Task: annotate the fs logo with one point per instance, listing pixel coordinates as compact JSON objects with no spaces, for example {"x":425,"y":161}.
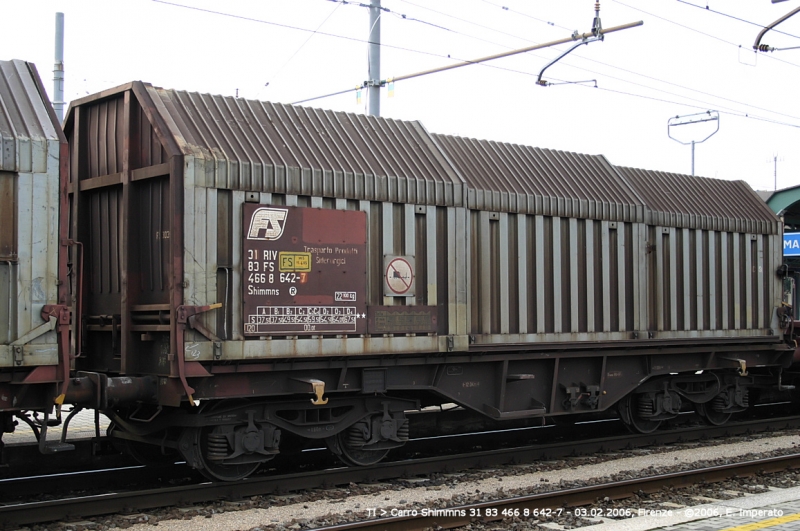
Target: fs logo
{"x":267,"y":224}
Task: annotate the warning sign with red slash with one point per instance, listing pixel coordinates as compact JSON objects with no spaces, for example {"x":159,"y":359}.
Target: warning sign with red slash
{"x":399,"y":276}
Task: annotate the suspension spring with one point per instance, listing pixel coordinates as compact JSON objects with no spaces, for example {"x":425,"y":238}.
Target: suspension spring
{"x":355,"y":437}
{"x":403,"y":431}
{"x":645,"y":407}
{"x":217,"y":446}
{"x":719,"y":403}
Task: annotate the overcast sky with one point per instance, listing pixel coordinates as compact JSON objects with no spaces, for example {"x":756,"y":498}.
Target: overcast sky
{"x":689,"y":57}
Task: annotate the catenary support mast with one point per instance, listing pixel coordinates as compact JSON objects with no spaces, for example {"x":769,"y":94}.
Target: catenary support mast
{"x":374,"y":82}
{"x":58,"y":69}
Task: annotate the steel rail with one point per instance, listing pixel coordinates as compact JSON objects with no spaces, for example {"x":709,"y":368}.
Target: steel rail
{"x":571,"y":497}
{"x":85,"y":506}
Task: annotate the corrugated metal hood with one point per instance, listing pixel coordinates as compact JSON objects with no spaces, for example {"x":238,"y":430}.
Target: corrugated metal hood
{"x":677,"y":200}
{"x":25,"y":123}
{"x":524,"y":179}
{"x":264,"y":146}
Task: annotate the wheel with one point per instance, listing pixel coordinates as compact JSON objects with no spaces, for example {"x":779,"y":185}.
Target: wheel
{"x":338,"y":444}
{"x":233,"y":451}
{"x":218,"y":471}
{"x":713,"y":417}
{"x":628,"y":409}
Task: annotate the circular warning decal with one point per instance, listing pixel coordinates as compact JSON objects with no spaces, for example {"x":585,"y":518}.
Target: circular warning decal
{"x":399,"y":276}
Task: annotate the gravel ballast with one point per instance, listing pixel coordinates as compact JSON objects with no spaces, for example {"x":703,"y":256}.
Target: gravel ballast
{"x":316,"y":508}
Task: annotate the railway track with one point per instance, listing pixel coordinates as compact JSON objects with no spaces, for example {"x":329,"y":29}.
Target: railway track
{"x":560,"y":500}
{"x":111,"y":502}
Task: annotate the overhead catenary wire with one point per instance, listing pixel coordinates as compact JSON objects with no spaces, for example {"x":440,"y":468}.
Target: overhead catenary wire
{"x":698,"y":104}
{"x":582,"y":58}
{"x":389,"y":11}
{"x":733,"y":17}
{"x":705,"y":104}
{"x":695,"y":30}
{"x":573,"y":38}
{"x":280,"y":69}
{"x":506,"y":8}
{"x":671,"y":83}
{"x":482,"y":26}
{"x":678,"y":85}
{"x":437,"y":26}
{"x":344,"y":37}
{"x":671,"y":102}
{"x":297,"y":28}
{"x":741,"y":114}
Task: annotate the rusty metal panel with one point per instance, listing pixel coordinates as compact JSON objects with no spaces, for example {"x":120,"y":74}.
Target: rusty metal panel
{"x":151,"y":234}
{"x":101,"y":138}
{"x":514,"y":178}
{"x":104,"y":249}
{"x":146,"y":148}
{"x":675,"y":200}
{"x":7,"y":296}
{"x":304,"y":271}
{"x":8,"y":217}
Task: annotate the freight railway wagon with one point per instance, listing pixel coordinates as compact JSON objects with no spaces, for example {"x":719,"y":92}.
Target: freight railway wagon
{"x":243,"y":273}
{"x":34,"y":284}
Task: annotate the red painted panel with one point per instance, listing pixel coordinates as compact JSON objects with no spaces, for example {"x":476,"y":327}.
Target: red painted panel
{"x":304,"y":271}
{"x":334,"y":226}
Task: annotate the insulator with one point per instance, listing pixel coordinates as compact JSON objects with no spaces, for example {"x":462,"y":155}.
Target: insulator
{"x":217,"y":447}
{"x":763,"y":48}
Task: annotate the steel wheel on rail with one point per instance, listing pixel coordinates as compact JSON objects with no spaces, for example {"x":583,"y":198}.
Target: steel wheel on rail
{"x":350,"y":455}
{"x":712,"y":416}
{"x":211,"y":469}
{"x":233,"y":444}
{"x":628,"y":410}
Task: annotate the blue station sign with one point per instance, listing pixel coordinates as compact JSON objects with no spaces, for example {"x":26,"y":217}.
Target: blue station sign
{"x":791,"y":244}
